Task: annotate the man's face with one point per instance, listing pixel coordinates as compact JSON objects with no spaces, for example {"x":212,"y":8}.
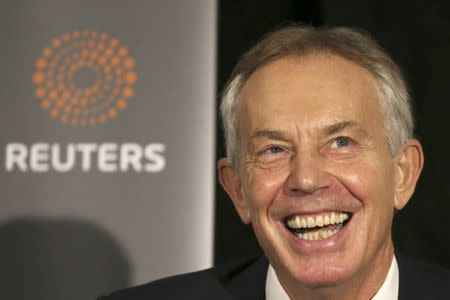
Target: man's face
{"x":313,"y":153}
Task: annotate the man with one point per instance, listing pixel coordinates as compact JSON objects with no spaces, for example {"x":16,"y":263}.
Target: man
{"x":320,"y":153}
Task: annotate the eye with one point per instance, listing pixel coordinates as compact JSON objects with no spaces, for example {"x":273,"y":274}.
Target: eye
{"x":273,"y":153}
{"x":275,"y":150}
{"x":341,"y":142}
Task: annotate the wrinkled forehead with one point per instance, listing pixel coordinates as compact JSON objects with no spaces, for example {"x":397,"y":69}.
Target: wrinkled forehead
{"x":324,"y":65}
{"x":308,"y":88}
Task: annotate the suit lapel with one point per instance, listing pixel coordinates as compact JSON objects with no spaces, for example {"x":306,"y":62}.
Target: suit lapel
{"x":250,"y":283}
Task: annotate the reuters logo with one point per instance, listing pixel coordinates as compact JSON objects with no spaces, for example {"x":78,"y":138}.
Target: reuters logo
{"x":84,"y":78}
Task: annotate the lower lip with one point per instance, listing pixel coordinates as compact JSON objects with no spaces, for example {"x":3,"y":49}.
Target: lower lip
{"x":329,"y":243}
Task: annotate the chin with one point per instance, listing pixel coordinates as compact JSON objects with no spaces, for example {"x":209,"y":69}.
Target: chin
{"x":323,"y":278}
{"x":319,"y":272}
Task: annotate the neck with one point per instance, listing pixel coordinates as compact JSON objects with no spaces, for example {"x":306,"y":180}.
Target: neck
{"x":364,"y":284}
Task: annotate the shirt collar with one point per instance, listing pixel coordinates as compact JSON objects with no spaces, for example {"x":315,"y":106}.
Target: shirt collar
{"x":387,"y":291}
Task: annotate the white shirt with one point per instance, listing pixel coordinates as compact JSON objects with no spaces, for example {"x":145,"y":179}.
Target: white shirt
{"x":387,"y":291}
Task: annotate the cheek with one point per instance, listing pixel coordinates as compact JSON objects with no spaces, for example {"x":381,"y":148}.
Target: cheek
{"x":262,"y":187}
{"x":367,"y":180}
{"x":372,"y":186}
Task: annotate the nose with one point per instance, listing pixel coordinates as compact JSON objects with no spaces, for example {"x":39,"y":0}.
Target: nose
{"x":307,"y":174}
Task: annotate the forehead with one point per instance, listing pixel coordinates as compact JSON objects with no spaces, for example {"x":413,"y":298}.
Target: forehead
{"x":309,"y":91}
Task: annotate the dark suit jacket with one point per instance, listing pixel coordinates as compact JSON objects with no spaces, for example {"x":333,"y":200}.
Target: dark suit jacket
{"x":246,"y":279}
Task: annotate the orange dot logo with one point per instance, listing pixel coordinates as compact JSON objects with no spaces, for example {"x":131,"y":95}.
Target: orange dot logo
{"x":84,"y":78}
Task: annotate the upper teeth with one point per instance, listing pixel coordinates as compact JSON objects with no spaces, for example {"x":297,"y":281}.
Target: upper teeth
{"x":317,"y":221}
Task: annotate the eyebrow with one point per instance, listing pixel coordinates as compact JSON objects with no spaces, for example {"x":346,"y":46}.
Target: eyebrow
{"x":341,"y":126}
{"x":270,"y":134}
{"x":326,"y":131}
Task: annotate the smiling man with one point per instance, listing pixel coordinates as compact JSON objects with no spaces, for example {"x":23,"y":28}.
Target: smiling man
{"x":320,"y":153}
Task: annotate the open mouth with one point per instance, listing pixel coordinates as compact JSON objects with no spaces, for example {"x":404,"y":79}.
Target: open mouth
{"x":317,"y":227}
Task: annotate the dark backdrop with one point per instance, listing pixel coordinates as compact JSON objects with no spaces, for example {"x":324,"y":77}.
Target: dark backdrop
{"x":417,"y":35}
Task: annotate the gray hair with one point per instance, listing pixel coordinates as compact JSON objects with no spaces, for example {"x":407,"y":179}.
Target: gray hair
{"x":350,"y":44}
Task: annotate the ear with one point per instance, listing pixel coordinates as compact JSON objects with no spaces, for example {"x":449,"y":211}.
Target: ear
{"x":231,"y":183}
{"x":409,"y":164}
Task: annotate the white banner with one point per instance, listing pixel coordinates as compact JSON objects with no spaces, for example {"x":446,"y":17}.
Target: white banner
{"x":107,"y":144}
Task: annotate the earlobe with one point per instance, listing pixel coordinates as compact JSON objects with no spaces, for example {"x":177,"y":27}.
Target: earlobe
{"x":409,"y":164}
{"x":231,"y":183}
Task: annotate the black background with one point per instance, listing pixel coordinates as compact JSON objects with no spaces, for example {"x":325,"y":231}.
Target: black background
{"x":417,"y":35}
